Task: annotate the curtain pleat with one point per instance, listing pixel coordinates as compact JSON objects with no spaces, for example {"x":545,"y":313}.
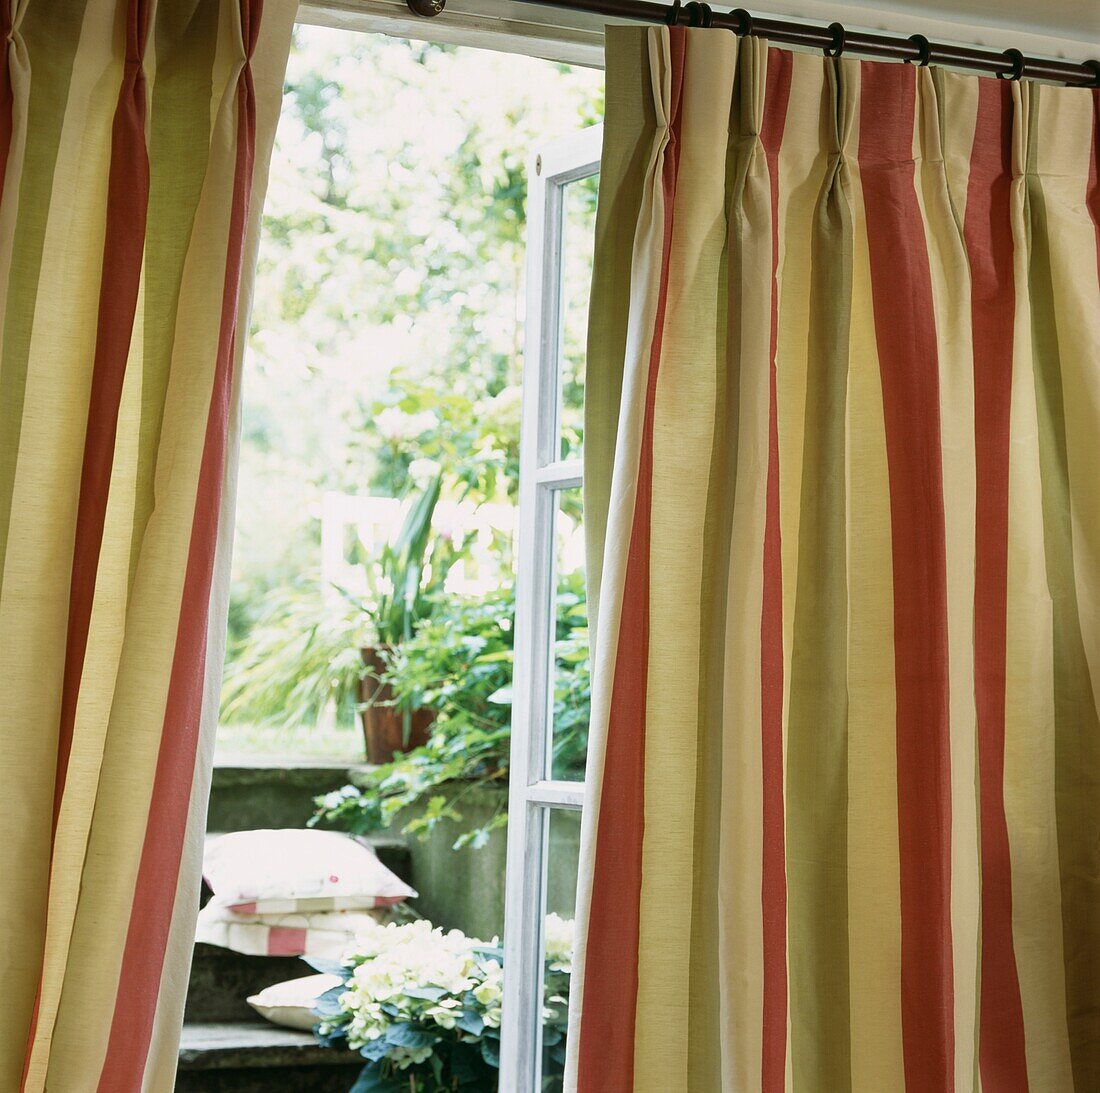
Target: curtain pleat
{"x":136,"y":137}
{"x":842,"y":827}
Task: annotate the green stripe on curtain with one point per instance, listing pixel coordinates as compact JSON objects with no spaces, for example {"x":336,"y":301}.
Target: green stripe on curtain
{"x":817,"y":726}
{"x":186,"y":37}
{"x":1077,"y":727}
{"x":622,"y":176}
{"x":51,"y":33}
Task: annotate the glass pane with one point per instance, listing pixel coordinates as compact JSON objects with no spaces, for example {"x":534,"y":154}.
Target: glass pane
{"x":578,"y":234}
{"x":571,"y":677}
{"x":560,"y":905}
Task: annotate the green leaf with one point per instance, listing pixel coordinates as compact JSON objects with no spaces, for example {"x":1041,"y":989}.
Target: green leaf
{"x":375,"y":1050}
{"x":404,"y":1035}
{"x":490,"y":1052}
{"x":328,"y":967}
{"x":427,"y":994}
{"x":372,"y":1080}
{"x":472,"y":1022}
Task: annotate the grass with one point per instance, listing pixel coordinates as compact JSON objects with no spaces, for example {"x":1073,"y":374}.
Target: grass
{"x":278,"y":743}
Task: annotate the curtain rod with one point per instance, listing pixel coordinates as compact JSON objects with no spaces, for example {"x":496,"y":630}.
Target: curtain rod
{"x":833,"y":40}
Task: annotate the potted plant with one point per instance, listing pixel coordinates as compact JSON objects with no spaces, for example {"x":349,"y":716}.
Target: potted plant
{"x":404,"y":580}
{"x":423,"y":1008}
{"x":451,"y":794}
{"x":308,"y":652}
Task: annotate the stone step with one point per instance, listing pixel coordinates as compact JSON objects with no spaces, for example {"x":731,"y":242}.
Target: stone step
{"x":258,"y":1057}
{"x":221,"y":981}
{"x":245,"y":797}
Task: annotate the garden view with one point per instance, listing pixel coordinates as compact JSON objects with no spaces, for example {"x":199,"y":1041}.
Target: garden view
{"x":372,"y":605}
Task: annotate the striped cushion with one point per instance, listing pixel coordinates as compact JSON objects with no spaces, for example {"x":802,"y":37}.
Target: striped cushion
{"x":326,"y":934}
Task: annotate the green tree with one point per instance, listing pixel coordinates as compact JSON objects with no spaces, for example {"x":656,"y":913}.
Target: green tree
{"x":390,"y":278}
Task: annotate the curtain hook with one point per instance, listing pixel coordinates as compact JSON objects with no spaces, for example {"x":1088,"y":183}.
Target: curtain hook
{"x":836,"y":47}
{"x":1016,"y":59}
{"x":744,"y":22}
{"x":924,"y":51}
{"x":672,"y":16}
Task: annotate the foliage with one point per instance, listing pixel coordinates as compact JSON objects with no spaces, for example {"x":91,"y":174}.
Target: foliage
{"x":459,"y":663}
{"x":404,"y":579}
{"x":303,"y":652}
{"x":299,"y":656}
{"x":423,"y":1007}
{"x":390,"y":275}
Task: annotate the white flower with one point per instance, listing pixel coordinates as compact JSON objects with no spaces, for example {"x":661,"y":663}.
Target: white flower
{"x":559,"y":943}
{"x":423,"y":470}
{"x":429,"y":979}
{"x":394,"y":425}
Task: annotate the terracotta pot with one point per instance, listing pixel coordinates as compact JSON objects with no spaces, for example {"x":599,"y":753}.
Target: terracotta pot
{"x":384,"y":726}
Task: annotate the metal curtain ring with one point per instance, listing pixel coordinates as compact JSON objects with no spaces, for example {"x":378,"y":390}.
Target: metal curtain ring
{"x":1095,"y":66}
{"x":698,"y":13}
{"x":744,"y":22}
{"x":1016,"y":59}
{"x":672,"y":16}
{"x":924,"y":50}
{"x":426,"y":9}
{"x":836,"y":48}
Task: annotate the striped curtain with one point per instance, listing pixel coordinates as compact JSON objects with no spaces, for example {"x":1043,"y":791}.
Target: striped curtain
{"x":134,"y":143}
{"x":843,"y":443}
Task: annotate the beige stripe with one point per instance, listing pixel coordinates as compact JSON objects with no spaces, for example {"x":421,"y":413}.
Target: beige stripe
{"x":951,"y":306}
{"x":645,"y":288}
{"x":134,"y":731}
{"x":105,"y":638}
{"x":682,"y":436}
{"x":1029,"y":698}
{"x":741,"y":940}
{"x":803,"y":163}
{"x":959,"y":114}
{"x":34,"y":609}
{"x":874,"y":878}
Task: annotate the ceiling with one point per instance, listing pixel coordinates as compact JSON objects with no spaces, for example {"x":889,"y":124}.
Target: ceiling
{"x":1068,"y":28}
{"x":1079,"y":19}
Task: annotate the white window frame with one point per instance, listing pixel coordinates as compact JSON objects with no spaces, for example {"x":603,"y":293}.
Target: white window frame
{"x":533,"y":794}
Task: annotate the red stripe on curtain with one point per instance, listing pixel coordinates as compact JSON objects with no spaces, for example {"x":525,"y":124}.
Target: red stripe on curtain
{"x":1092,"y":197}
{"x":773,"y":884}
{"x":123,"y":252}
{"x":606,"y":1051}
{"x":158,"y":874}
{"x":989,"y":245}
{"x":908,"y":358}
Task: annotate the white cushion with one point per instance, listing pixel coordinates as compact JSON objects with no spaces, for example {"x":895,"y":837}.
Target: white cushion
{"x":291,"y":1003}
{"x":298,"y":870}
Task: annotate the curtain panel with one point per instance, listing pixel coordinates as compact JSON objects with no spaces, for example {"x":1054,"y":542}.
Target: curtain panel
{"x":134,"y":144}
{"x":842,"y":830}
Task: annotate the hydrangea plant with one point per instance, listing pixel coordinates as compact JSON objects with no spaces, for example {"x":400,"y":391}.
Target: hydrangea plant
{"x":423,"y":1007}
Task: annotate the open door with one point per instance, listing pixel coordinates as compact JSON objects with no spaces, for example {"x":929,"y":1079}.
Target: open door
{"x":547,"y":751}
